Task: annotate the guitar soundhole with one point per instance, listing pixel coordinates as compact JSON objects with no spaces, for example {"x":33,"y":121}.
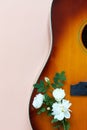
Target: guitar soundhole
{"x":84,"y":36}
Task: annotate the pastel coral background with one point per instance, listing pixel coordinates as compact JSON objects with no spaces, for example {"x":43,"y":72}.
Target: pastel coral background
{"x":24,"y":44}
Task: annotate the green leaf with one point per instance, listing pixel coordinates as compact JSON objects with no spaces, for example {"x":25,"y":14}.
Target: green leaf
{"x":66,"y":124}
{"x":59,"y":78}
{"x":60,"y":84}
{"x":49,"y":113}
{"x":48,"y":100}
{"x":62,"y":76}
{"x":57,"y":126}
{"x":41,"y":87}
{"x":54,"y":121}
{"x":54,"y":85}
{"x":36,"y":85}
{"x":41,"y":110}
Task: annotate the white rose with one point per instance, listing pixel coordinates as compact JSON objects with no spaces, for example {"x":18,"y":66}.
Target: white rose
{"x":58,"y":94}
{"x":61,"y":110}
{"x":38,"y":101}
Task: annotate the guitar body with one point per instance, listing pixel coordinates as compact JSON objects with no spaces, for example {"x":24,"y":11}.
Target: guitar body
{"x":69,"y":53}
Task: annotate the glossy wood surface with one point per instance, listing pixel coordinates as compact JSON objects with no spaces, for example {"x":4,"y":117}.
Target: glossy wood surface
{"x":68,"y":54}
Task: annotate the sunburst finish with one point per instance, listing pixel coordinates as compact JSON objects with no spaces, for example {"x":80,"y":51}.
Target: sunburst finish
{"x":69,"y":54}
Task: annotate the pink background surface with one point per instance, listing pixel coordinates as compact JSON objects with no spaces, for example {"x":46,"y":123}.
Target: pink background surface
{"x":24,"y":45}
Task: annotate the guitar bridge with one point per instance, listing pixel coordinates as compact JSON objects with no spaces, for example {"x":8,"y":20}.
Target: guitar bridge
{"x":79,"y":89}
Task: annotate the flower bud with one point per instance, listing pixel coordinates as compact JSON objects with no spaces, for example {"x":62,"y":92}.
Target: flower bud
{"x":47,"y":80}
{"x":48,"y":108}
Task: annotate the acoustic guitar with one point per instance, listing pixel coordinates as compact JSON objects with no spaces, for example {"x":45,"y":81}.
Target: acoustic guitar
{"x":69,"y":54}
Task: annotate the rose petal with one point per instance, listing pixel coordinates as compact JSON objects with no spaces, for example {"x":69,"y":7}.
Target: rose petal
{"x":60,"y":116}
{"x":67,"y":114}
